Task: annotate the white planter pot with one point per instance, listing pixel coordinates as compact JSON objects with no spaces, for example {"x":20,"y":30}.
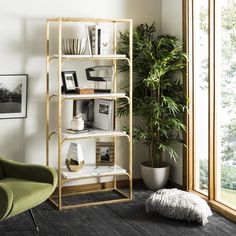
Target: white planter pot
{"x":155,"y":178}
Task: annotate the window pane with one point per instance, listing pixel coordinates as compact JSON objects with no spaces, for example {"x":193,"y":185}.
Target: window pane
{"x":226,"y":101}
{"x":201,"y":95}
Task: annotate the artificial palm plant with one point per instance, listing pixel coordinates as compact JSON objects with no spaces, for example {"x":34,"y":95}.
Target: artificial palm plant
{"x":158,"y":97}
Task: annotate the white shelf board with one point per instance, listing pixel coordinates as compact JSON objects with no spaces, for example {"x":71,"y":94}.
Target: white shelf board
{"x":93,"y":133}
{"x":113,"y":56}
{"x":94,"y":95}
{"x":91,"y":170}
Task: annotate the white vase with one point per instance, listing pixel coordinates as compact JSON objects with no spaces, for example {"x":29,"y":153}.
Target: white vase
{"x":155,"y":178}
{"x":77,"y":123}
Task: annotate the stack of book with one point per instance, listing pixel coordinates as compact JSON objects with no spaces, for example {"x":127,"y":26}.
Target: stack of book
{"x":99,"y":40}
{"x":73,"y":131}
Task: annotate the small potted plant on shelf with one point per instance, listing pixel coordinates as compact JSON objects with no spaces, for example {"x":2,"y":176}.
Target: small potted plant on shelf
{"x":158,"y":98}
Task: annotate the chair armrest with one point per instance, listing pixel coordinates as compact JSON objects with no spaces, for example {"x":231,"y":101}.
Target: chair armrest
{"x":6,"y":201}
{"x":38,"y":173}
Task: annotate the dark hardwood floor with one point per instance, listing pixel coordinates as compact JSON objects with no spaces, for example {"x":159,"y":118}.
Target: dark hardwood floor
{"x":117,"y":219}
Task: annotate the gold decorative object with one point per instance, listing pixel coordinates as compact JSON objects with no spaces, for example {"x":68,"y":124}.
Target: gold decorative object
{"x":75,"y":157}
{"x":73,"y":165}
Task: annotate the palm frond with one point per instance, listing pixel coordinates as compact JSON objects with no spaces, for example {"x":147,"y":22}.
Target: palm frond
{"x":158,"y":97}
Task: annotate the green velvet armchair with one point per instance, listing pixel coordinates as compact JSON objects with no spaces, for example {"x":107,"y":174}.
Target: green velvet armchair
{"x":24,"y":186}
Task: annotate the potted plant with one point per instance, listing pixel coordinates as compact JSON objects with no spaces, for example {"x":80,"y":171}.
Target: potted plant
{"x":158,"y":97}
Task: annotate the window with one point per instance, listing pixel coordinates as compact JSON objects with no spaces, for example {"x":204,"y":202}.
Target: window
{"x":211,"y":44}
{"x":200,"y":91}
{"x":226,"y":102}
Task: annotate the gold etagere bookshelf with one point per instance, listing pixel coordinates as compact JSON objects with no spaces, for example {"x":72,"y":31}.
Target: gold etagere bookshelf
{"x":62,"y":137}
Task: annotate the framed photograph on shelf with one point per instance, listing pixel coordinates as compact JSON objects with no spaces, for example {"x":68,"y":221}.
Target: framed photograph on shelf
{"x":13,"y":96}
{"x":69,"y":80}
{"x":105,"y":153}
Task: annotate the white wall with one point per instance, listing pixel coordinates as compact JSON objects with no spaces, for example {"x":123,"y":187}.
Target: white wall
{"x":22,"y":47}
{"x":172,"y":24}
{"x":172,"y":17}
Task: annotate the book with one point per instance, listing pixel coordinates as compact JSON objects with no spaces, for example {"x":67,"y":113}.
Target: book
{"x":99,"y":40}
{"x":84,"y":90}
{"x":89,"y":38}
{"x":95,"y":39}
{"x":91,"y":31}
{"x":105,"y":41}
{"x":104,"y":114}
{"x":72,"y":131}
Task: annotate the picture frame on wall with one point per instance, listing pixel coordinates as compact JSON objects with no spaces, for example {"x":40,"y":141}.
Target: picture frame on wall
{"x":13,"y":96}
{"x":105,"y":154}
{"x":69,"y":80}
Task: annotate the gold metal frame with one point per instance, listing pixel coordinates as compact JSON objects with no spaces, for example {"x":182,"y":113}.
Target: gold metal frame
{"x":60,"y":99}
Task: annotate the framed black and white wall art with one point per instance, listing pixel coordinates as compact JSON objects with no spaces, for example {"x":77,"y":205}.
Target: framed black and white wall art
{"x":13,"y":96}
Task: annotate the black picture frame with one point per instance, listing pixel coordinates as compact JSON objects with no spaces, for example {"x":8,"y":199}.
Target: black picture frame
{"x":69,"y":80}
{"x":13,"y":96}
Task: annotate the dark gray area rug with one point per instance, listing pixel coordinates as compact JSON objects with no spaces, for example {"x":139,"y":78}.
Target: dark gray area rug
{"x":117,"y":219}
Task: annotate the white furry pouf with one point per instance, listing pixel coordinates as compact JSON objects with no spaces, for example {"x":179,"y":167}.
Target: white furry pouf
{"x":177,"y":204}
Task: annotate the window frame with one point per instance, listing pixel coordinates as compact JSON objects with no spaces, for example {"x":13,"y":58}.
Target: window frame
{"x":189,"y":164}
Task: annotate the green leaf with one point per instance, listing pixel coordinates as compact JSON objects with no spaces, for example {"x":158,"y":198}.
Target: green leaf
{"x":158,"y":96}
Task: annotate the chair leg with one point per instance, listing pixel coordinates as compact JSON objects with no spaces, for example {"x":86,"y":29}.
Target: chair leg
{"x":33,"y":218}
